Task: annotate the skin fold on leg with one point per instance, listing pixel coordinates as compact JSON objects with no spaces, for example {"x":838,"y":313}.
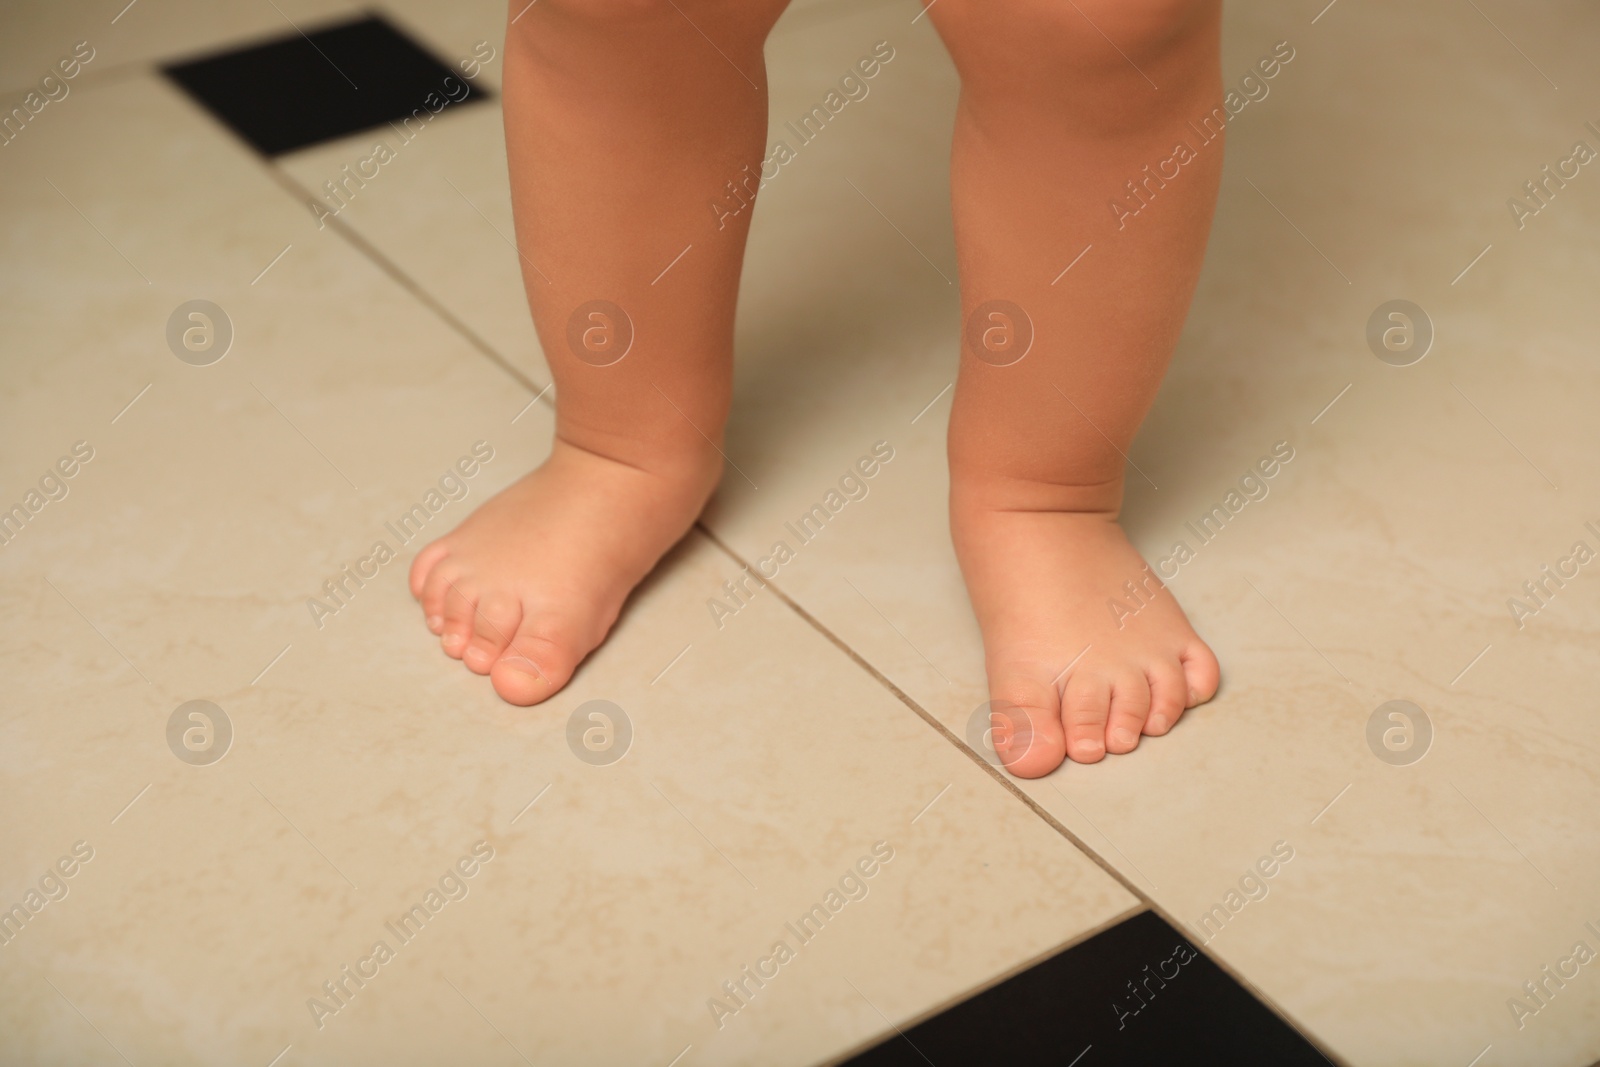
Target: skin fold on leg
{"x":1065,"y":108}
{"x":625,"y":121}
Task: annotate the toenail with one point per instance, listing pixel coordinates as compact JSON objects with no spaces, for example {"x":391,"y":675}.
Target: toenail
{"x":452,"y":640}
{"x":525,"y":665}
{"x":1122,"y":736}
{"x":435,"y":623}
{"x":1157,"y":724}
{"x":1194,"y":697}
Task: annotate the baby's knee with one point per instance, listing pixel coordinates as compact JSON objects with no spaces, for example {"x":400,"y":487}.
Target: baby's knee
{"x":612,"y":11}
{"x":1139,"y":28}
{"x":620,"y":14}
{"x":1084,"y":33}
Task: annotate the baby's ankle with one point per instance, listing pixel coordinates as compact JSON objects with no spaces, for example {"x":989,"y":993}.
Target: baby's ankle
{"x":694,"y":465}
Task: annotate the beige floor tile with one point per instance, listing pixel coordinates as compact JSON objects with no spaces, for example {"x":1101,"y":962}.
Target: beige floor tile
{"x":208,"y":904}
{"x":1381,"y":562}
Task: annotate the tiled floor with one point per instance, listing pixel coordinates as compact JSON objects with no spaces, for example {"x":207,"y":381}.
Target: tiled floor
{"x":771,"y":754}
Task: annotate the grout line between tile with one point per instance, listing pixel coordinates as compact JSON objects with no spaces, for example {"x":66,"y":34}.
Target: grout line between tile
{"x":928,"y":717}
{"x":393,"y":270}
{"x":1146,"y":901}
{"x":92,"y":77}
{"x":303,"y":196}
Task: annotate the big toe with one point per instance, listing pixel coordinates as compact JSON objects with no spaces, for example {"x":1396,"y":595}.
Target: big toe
{"x":537,"y":663}
{"x":1025,"y":720}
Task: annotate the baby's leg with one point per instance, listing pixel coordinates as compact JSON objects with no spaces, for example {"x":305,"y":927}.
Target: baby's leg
{"x":625,"y":120}
{"x":1063,"y":103}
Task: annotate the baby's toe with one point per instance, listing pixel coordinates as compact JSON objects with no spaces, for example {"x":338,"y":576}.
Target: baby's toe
{"x":459,"y":610}
{"x":537,"y":662}
{"x":423,"y":566}
{"x":1130,"y":706}
{"x":1084,"y":714}
{"x":1169,"y":695}
{"x":1025,"y":722}
{"x":1201,"y":671}
{"x":435,"y":589}
{"x":493,"y":625}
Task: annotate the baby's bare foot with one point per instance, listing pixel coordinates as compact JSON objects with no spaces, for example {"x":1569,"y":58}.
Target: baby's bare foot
{"x":1043,"y":584}
{"x":531,"y":582}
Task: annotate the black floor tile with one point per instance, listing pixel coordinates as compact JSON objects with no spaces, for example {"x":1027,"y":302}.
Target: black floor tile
{"x":301,"y":90}
{"x":1137,"y":994}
